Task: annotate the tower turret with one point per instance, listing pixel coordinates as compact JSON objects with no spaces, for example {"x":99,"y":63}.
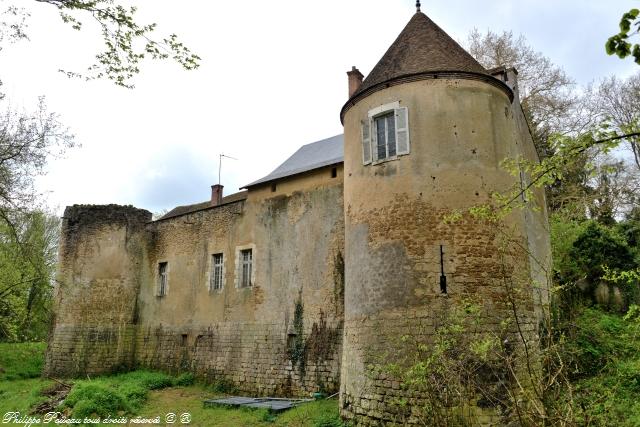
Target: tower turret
{"x":425,"y":134}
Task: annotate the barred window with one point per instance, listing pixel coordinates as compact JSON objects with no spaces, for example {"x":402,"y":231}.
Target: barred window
{"x":246,"y":265}
{"x":215,"y":282}
{"x":163,"y":278}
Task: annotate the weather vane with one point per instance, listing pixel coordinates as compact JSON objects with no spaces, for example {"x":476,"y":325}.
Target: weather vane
{"x":417,"y":5}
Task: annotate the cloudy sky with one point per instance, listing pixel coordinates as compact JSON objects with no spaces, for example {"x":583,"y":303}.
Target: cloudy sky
{"x":272,"y":79}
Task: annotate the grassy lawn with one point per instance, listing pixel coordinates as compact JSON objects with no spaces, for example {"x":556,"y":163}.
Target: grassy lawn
{"x":20,"y":382}
{"x":143,"y":394}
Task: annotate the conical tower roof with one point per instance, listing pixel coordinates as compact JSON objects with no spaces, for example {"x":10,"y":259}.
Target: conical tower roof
{"x":421,"y":47}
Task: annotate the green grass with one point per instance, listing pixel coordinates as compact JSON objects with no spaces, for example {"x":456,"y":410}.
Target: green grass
{"x":140,"y":393}
{"x":180,"y":400}
{"x":20,"y":369}
{"x":21,"y":395}
{"x":21,"y":360}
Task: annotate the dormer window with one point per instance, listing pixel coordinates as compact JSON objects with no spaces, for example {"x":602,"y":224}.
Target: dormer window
{"x":385,"y":133}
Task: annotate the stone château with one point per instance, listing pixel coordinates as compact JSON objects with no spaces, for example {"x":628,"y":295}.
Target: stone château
{"x":302,"y":280}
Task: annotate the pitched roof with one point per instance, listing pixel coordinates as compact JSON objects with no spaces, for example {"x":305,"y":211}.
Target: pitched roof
{"x":421,"y":47}
{"x":308,"y":157}
{"x":183,"y":210}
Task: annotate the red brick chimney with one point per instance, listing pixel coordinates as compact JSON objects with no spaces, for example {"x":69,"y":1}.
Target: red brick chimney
{"x":355,"y":80}
{"x":216,"y":194}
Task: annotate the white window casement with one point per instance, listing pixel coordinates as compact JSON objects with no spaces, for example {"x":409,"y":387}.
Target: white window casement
{"x":245,"y":267}
{"x":216,"y":278}
{"x":163,"y":279}
{"x":385,"y":133}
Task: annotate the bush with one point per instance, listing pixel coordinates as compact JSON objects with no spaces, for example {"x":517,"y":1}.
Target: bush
{"x":185,"y":379}
{"x":95,"y":399}
{"x":122,"y":393}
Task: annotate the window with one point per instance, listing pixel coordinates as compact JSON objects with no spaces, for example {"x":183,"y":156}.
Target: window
{"x":246,"y":261}
{"x":385,"y":133}
{"x":385,"y":130}
{"x":163,"y":278}
{"x":273,"y":187}
{"x":216,"y":278}
{"x":334,"y":172}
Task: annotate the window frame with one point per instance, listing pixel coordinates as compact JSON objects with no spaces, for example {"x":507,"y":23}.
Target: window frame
{"x":369,"y":134}
{"x":162,"y":284}
{"x":239,"y":267}
{"x":213,"y":276}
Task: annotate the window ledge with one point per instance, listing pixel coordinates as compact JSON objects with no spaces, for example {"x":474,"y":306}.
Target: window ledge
{"x":388,"y":159}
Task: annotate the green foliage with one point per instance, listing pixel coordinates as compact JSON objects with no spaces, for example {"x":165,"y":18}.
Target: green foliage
{"x":603,"y":351}
{"x":563,"y":234}
{"x":88,"y":399}
{"x":618,"y":44}
{"x":126,"y":42}
{"x":122,"y":393}
{"x":297,"y":346}
{"x":222,"y":385}
{"x":21,"y":360}
{"x":185,"y":379}
{"x":599,"y":246}
{"x":28,"y":247}
{"x":329,"y":420}
{"x":597,"y":340}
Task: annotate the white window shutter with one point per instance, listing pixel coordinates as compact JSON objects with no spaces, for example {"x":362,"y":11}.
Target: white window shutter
{"x":402,"y":130}
{"x":366,"y":142}
{"x":374,"y":139}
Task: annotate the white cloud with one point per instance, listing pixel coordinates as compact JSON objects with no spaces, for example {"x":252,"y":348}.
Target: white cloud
{"x":272,"y":78}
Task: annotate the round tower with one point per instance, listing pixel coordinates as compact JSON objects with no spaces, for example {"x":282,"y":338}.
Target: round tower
{"x":424,"y":136}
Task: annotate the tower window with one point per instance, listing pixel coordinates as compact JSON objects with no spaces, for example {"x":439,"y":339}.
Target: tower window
{"x":385,"y":133}
{"x":385,"y":129}
{"x":163,"y":278}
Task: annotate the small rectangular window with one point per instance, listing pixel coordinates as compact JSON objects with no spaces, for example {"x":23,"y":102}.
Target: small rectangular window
{"x":273,"y":187}
{"x":246,"y":265}
{"x":215,"y":282}
{"x":163,"y":278}
{"x":334,"y":172}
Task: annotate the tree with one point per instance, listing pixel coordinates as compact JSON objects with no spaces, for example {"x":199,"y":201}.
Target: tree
{"x":126,"y":42}
{"x":618,"y":105}
{"x":547,"y":94}
{"x":28,"y":245}
{"x":618,"y":44}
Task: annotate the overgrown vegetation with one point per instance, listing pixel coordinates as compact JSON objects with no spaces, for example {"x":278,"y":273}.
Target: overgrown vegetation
{"x":139,"y":393}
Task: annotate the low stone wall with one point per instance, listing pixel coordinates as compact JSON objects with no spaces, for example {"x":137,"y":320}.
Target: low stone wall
{"x":253,"y":357}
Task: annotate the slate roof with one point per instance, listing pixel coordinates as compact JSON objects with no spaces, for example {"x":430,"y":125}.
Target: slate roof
{"x":421,"y":47}
{"x":308,"y":157}
{"x":183,"y":210}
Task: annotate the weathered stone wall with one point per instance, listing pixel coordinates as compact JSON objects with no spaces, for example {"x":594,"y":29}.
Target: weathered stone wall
{"x":460,"y":131}
{"x":96,"y":290}
{"x":281,"y":336}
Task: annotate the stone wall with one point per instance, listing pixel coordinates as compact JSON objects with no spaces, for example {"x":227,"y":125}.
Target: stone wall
{"x":97,"y":284}
{"x":250,"y":336}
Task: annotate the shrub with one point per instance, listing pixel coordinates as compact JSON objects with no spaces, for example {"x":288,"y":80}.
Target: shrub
{"x":185,"y":379}
{"x":95,"y":399}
